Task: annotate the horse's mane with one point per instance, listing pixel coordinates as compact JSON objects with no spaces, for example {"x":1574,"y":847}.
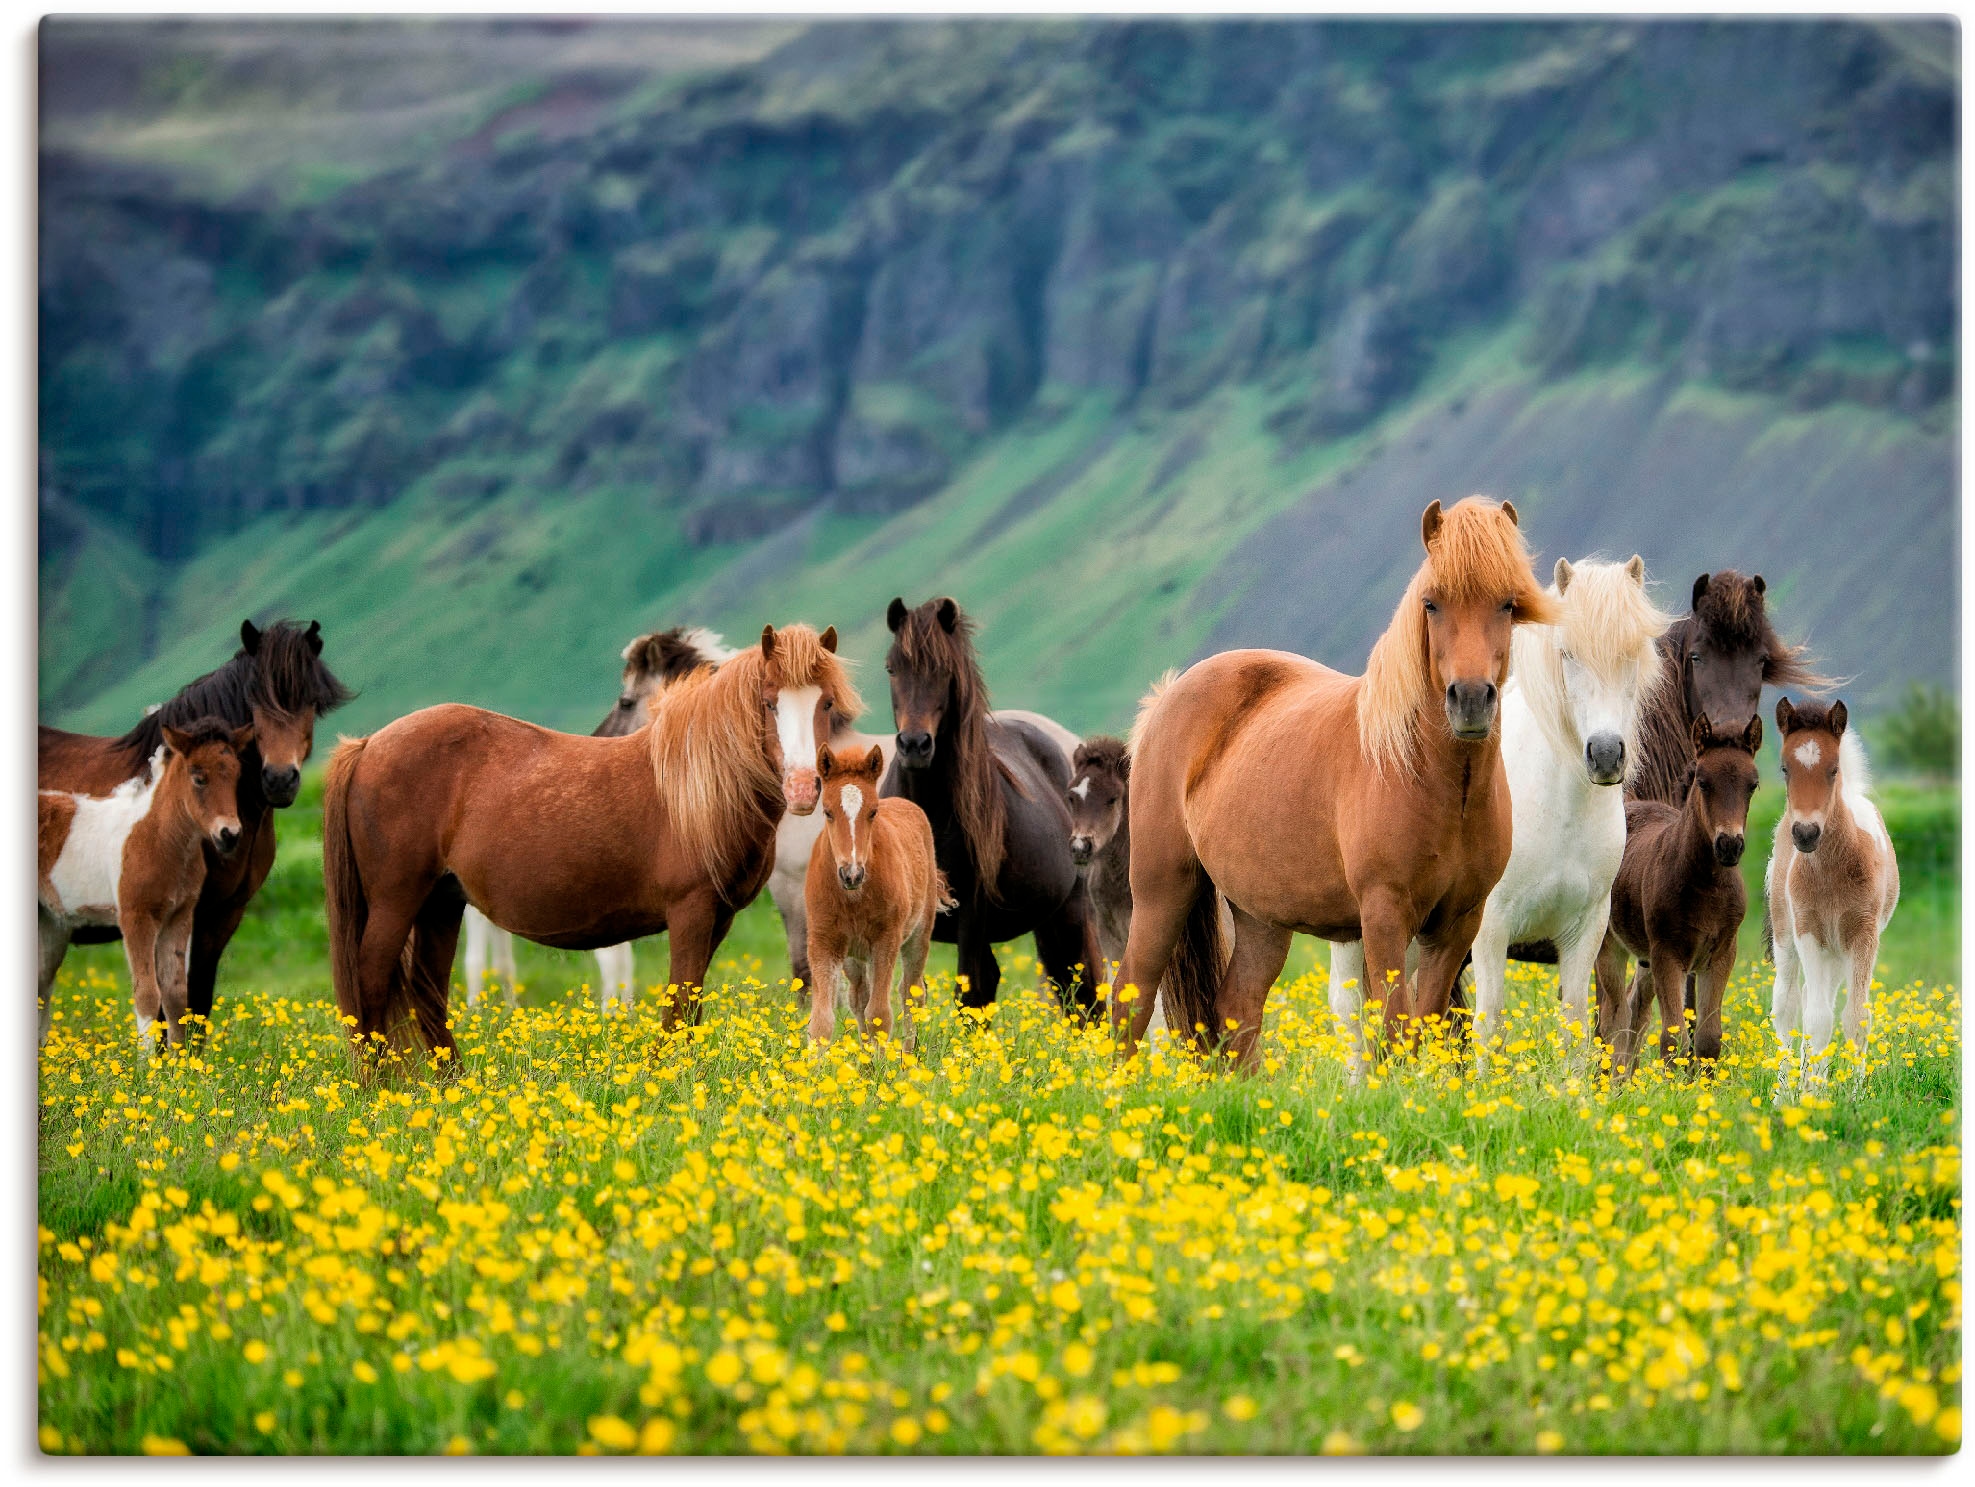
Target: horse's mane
{"x":717,"y":785}
{"x":1478,"y":554}
{"x":923,"y":643}
{"x":1607,"y":622}
{"x":671,"y":654}
{"x":284,"y":675}
{"x":1731,"y":613}
{"x":1147,"y":703}
{"x":201,"y":731}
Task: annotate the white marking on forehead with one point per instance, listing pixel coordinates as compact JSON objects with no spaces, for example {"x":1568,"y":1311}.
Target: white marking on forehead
{"x":851,"y":801}
{"x":1807,"y":752}
{"x":795,"y":725}
{"x":1082,"y":788}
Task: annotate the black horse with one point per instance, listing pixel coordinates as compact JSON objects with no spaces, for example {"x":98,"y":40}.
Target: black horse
{"x":277,"y":682}
{"x":994,"y":792}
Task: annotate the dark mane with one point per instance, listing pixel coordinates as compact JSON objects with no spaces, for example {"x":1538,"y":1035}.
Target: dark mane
{"x":1104,"y":754}
{"x":206,"y":730}
{"x":923,"y":644}
{"x":1731,"y":613}
{"x":666,"y":655}
{"x":285,"y":675}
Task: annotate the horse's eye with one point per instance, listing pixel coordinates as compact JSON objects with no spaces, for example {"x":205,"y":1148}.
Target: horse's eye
{"x":198,"y":779}
{"x":1508,"y":606}
{"x":1694,"y":656}
{"x":624,"y":702}
{"x":1431,"y":607}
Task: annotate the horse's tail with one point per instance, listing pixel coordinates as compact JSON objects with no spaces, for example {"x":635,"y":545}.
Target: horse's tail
{"x":1193,"y":977}
{"x":1146,"y":704}
{"x":342,"y":884}
{"x":943,"y":899}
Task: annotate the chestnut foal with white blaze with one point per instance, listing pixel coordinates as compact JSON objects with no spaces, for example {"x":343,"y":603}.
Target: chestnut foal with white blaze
{"x":873,"y":891}
{"x":135,"y":861}
{"x":1831,"y":888}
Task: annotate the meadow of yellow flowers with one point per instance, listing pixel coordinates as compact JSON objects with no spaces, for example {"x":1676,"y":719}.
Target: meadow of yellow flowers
{"x":592,"y":1238}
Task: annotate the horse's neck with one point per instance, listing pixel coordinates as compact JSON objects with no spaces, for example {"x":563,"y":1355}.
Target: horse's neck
{"x":168,"y":834}
{"x":1465,"y":770}
{"x":1847,"y":838}
{"x":1693,"y":845}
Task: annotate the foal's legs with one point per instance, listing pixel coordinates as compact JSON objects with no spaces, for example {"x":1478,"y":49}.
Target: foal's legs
{"x":1260,"y":948}
{"x":141,"y":930}
{"x":913,"y":997}
{"x":1824,"y":969}
{"x":616,"y":976}
{"x":1711,"y":985}
{"x":825,"y":963}
{"x":1786,"y":1002}
{"x":54,"y":946}
{"x":173,"y":951}
{"x":1858,"y":993}
{"x":879,"y":970}
{"x":1614,"y":997}
{"x":1669,"y":985}
{"x":855,"y":987}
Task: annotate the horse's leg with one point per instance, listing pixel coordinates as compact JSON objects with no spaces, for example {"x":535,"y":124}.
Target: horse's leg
{"x":478,"y":929}
{"x":913,"y":995}
{"x":616,"y":971}
{"x":1824,"y":968}
{"x":1491,"y":979}
{"x":1712,"y":982}
{"x":436,"y":938}
{"x":1640,"y":1000}
{"x":1387,"y":931}
{"x":1786,"y":1005}
{"x":854,"y":988}
{"x":1669,"y":984}
{"x":1858,"y":993}
{"x":213,"y":928}
{"x":1576,"y":956}
{"x":825,"y":960}
{"x":787,"y":891}
{"x":504,"y":968}
{"x":1260,"y":948}
{"x":1439,"y":968}
{"x":140,"y":948}
{"x":1067,"y":947}
{"x":976,"y":960}
{"x":1347,"y":1003}
{"x":174,"y":950}
{"x":1614,"y":989}
{"x":54,"y":947}
{"x":697,"y":924}
{"x":380,"y":956}
{"x":879,"y":970}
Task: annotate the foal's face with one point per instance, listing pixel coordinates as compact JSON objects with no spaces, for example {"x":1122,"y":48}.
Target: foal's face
{"x":1468,"y":646}
{"x":285,"y":742}
{"x":1810,"y":735}
{"x":850,"y":811}
{"x":1097,"y":806}
{"x":209,"y":782}
{"x":1724,"y":780}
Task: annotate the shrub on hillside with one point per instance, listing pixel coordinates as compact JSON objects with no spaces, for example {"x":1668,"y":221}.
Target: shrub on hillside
{"x":1924,"y":735}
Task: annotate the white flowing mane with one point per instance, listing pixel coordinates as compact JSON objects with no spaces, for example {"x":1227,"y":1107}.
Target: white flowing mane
{"x":1609,"y":626}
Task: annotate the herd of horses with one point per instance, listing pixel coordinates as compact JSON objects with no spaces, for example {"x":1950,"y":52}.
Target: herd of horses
{"x":1559,"y":773}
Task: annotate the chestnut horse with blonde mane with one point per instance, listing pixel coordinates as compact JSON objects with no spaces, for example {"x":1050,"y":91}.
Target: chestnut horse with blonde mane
{"x":1370,"y":807}
{"x":571,"y":841}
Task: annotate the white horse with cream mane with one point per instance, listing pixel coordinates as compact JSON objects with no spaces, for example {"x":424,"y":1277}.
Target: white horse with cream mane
{"x":1570,"y":736}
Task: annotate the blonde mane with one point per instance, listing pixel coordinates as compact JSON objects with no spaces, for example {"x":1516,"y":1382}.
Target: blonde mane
{"x":708,"y":745}
{"x":1607,"y":624}
{"x":1146,"y":704}
{"x":1478,"y":554}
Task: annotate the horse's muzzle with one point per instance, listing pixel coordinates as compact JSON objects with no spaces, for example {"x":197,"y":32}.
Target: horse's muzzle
{"x":1471,"y":709}
{"x":801,"y":790}
{"x":1728,"y":849}
{"x":281,"y":786}
{"x":1806,"y":834}
{"x":227,"y":838}
{"x":1604,"y":758}
{"x":1081,"y":850}
{"x":915,"y":750}
{"x":851,"y":875}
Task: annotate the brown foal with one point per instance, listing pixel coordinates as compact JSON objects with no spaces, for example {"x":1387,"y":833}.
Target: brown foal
{"x":873,"y":890}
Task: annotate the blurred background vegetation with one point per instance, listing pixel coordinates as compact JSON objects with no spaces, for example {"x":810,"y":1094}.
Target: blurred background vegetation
{"x":493,"y":343}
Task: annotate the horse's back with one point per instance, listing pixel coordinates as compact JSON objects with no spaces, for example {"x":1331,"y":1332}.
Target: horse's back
{"x":81,"y":763}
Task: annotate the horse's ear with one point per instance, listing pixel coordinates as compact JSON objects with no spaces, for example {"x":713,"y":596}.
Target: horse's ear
{"x":1080,"y":758}
{"x":874,"y":762}
{"x":1786,"y":717}
{"x":1839,"y":717}
{"x":177,"y":742}
{"x":243,"y":739}
{"x":895,"y":615}
{"x":1562,"y":574}
{"x":1752,"y":736}
{"x":1509,"y":510}
{"x":314,"y":636}
{"x":828,"y":640}
{"x":250,"y":638}
{"x":767,"y":642}
{"x":1700,"y":588}
{"x":1702,"y":732}
{"x":1430,"y":520}
{"x":1758,"y":586}
{"x":1635,"y":569}
{"x":1124,"y":766}
{"x":826,"y":762}
{"x":948,"y":615}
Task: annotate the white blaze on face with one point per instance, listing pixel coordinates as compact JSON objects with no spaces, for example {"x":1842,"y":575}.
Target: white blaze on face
{"x":1808,"y":753}
{"x":850,"y":800}
{"x":795,"y":726}
{"x":1082,"y":788}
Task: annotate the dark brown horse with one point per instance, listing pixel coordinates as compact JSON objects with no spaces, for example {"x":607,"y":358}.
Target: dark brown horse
{"x":1367,"y":809}
{"x":993,"y":789}
{"x":277,"y":683}
{"x":1679,"y":899}
{"x":571,"y":841}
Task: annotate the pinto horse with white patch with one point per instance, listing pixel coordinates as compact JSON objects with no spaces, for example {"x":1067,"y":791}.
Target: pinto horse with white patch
{"x":571,"y":841}
{"x":1371,"y":807}
{"x":134,"y":861}
{"x":872,"y":892}
{"x":1830,"y":890}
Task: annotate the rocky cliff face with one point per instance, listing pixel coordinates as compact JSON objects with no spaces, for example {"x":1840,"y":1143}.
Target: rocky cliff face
{"x":823,"y":277}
